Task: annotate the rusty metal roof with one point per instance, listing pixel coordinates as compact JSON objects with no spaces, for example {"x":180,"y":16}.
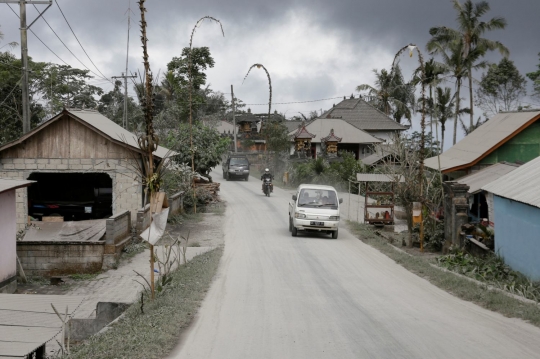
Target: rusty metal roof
{"x":9,"y":184}
{"x":28,"y":321}
{"x":486,"y":175}
{"x":484,"y":140}
{"x":520,"y":185}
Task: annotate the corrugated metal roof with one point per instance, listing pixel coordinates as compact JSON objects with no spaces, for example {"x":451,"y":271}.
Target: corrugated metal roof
{"x":99,"y":122}
{"x":378,"y":177}
{"x":381,"y":152}
{"x":15,"y":349}
{"x":321,"y":128}
{"x":28,"y":321}
{"x":39,"y":302}
{"x":9,"y":184}
{"x":362,"y":115}
{"x":521,"y":185}
{"x":113,"y":130}
{"x":476,"y":145}
{"x":487,"y":175}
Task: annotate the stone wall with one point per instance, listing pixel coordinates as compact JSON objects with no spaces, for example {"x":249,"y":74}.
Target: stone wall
{"x":127,"y":190}
{"x":59,"y":258}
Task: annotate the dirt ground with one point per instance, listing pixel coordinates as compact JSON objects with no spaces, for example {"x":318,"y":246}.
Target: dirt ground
{"x":203,"y":230}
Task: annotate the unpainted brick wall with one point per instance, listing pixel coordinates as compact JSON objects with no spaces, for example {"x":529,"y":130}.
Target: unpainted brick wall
{"x":56,"y":258}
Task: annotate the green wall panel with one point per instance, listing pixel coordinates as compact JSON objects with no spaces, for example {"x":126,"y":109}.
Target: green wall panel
{"x":524,"y":147}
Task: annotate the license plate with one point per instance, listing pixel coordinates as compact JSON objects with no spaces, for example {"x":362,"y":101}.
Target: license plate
{"x":316,"y":223}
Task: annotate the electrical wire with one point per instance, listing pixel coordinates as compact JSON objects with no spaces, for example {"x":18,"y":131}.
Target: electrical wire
{"x":71,"y":52}
{"x":48,"y":48}
{"x":73,"y":32}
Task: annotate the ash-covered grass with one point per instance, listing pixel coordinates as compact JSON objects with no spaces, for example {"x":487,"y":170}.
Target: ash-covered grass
{"x":154,"y":333}
{"x":460,"y":287}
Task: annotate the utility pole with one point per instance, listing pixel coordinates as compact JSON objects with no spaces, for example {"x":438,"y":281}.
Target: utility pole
{"x":24,"y":56}
{"x":233,"y":118}
{"x":125,"y":77}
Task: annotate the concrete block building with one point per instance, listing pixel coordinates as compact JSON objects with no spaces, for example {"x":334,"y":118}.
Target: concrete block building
{"x":84,"y":165}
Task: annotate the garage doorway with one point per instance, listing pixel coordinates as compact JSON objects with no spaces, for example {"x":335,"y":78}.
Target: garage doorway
{"x":73,"y":196}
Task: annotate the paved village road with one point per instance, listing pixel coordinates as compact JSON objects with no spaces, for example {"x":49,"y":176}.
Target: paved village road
{"x":276,"y":296}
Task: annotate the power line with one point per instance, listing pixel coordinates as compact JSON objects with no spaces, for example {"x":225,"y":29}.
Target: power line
{"x":48,"y":48}
{"x":71,"y":52}
{"x":73,"y":32}
{"x":290,"y":103}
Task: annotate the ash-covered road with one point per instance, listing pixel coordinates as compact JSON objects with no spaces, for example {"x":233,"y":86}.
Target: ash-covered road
{"x":276,"y":296}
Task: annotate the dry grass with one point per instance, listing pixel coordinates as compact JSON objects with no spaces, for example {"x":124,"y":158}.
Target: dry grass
{"x":154,"y":333}
{"x":455,"y":285}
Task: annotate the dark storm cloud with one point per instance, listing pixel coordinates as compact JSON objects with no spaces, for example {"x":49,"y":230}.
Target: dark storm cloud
{"x":312,"y":48}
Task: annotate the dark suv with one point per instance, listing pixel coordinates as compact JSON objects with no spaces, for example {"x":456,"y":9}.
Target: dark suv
{"x":236,"y":166}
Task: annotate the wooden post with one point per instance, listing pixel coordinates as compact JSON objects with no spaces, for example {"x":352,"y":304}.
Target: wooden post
{"x":152,"y":270}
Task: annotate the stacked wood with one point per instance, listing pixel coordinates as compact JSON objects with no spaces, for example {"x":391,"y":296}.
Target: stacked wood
{"x":212,"y":187}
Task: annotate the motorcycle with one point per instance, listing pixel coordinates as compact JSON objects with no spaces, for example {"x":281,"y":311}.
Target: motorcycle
{"x":267,"y":186}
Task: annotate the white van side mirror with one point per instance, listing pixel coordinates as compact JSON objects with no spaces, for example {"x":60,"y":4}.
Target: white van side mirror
{"x":294,"y":197}
{"x":341,"y":200}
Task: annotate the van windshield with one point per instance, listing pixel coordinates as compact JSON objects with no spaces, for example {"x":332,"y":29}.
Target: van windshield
{"x":239,"y":161}
{"x":311,"y":197}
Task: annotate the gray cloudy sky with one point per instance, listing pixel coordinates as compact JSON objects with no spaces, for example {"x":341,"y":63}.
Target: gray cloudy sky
{"x":313,"y":49}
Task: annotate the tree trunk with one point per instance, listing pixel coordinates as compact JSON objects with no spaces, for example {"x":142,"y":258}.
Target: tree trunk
{"x":431,"y":112}
{"x":471,"y":98}
{"x":442,"y":137}
{"x":456,"y":117}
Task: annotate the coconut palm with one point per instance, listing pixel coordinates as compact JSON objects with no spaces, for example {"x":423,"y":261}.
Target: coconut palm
{"x":431,"y":78}
{"x":470,"y":31}
{"x":391,"y":94}
{"x":444,"y":108}
{"x":457,"y":66}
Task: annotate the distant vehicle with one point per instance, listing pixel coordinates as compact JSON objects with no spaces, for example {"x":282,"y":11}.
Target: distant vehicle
{"x":267,"y":186}
{"x":314,"y":208}
{"x":236,"y":167}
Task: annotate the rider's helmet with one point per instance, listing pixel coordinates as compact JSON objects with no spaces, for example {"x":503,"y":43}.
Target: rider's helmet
{"x":266,"y":170}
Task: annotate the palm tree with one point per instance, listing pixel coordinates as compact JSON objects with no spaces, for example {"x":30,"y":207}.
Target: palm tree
{"x":468,"y":130}
{"x":432,"y":73}
{"x":458,"y":66}
{"x":444,"y":108}
{"x":391,"y":94}
{"x":470,"y":31}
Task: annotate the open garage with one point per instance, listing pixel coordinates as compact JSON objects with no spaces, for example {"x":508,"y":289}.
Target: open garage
{"x":72,"y":196}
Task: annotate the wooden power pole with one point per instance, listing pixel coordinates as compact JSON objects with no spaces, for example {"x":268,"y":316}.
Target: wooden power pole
{"x":125,"y":117}
{"x":234,"y":118}
{"x":24,"y":55}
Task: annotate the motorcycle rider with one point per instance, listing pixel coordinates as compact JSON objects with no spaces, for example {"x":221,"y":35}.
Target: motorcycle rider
{"x":267,"y":174}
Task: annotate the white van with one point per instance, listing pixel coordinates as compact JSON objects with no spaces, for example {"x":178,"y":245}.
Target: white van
{"x":314,"y":208}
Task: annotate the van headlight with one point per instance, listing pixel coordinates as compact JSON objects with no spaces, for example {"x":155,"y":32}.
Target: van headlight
{"x":299,"y":215}
{"x":334,"y":218}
